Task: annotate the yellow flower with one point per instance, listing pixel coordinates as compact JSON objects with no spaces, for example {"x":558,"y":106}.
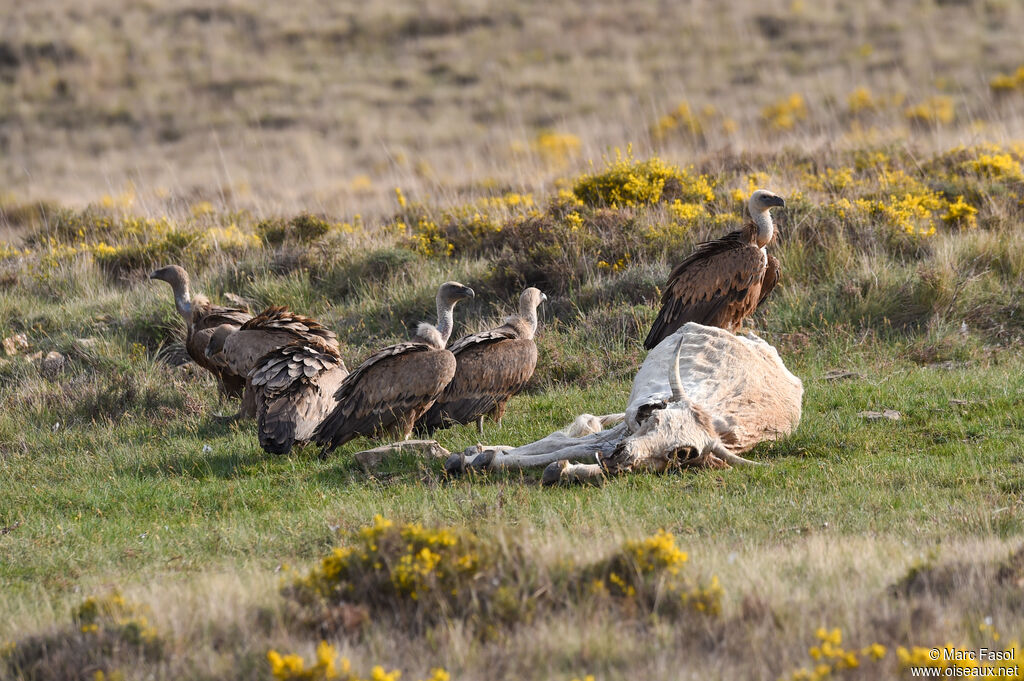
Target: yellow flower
{"x":932,"y":111}
{"x":876,"y":651}
{"x":556,"y":148}
{"x":785,"y":113}
{"x":860,"y":100}
{"x":961,"y":213}
{"x":438,"y":674}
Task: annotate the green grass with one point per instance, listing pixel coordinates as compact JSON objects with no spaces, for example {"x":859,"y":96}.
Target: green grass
{"x":134,"y":135}
{"x":118,"y":476}
{"x":140,"y":503}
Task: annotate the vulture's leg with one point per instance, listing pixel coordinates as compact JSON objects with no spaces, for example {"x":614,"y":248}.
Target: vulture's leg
{"x":480,"y":424}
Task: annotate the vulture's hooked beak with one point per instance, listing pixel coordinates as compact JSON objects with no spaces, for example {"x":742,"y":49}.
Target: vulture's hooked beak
{"x":543,"y":297}
{"x":468,"y":292}
{"x":776,"y":201}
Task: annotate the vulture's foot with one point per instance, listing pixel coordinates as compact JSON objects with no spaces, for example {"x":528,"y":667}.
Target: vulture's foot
{"x":229,"y":419}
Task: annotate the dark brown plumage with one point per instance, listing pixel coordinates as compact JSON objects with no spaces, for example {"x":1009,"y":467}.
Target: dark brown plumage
{"x":723,"y":281}
{"x":388,"y":392}
{"x":202,"y":320}
{"x":492,"y":366}
{"x":237,"y":351}
{"x":293,"y":389}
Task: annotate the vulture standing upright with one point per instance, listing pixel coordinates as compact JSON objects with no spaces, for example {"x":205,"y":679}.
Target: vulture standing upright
{"x":202,"y":319}
{"x":492,"y":367}
{"x":724,"y":280}
{"x":388,"y":392}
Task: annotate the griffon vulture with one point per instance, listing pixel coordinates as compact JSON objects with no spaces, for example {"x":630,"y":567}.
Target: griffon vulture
{"x":492,"y":367}
{"x":293,"y":389}
{"x":388,"y":392}
{"x":725,"y":280}
{"x":202,"y":319}
{"x":237,"y":351}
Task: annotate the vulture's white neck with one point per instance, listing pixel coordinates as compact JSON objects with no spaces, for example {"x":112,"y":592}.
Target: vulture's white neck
{"x":183,"y":301}
{"x":765,"y":227}
{"x":529,"y":314}
{"x":445,"y":319}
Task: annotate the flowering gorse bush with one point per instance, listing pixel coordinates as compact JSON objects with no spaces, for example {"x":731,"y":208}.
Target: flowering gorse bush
{"x":682,"y":120}
{"x":830,"y":659}
{"x":104,"y":632}
{"x":556,"y":148}
{"x":785,"y":113}
{"x":422,"y":576}
{"x":406,"y":569}
{"x":1003,"y":83}
{"x":626,"y":182}
{"x":329,"y":666}
{"x":933,"y":111}
{"x":650,"y":573}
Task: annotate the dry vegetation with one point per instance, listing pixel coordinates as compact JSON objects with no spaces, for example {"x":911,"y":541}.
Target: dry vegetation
{"x":343,"y":159}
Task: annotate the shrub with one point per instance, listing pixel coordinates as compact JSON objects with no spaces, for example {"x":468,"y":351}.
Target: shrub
{"x":422,"y":576}
{"x":415,"y":574}
{"x":303,"y":228}
{"x":830,"y":658}
{"x":650,"y":572}
{"x":627,"y":182}
{"x":104,"y":633}
{"x":329,"y":667}
{"x":175,"y":247}
{"x":932,"y":111}
{"x":785,"y":113}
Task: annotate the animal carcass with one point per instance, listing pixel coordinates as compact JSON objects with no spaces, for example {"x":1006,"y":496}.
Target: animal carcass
{"x":703,"y":397}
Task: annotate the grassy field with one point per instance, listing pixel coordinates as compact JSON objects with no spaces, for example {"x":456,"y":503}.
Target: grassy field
{"x":344,"y":161}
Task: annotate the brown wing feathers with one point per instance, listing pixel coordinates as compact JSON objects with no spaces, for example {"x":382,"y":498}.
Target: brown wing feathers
{"x":771,"y":278}
{"x":492,"y":366}
{"x":294,"y":389}
{"x":206,"y":319}
{"x":718,"y":285}
{"x":280,"y":318}
{"x":387,"y":393}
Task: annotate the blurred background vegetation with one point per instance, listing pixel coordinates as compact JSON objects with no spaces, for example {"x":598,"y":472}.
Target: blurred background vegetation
{"x":344,"y":158}
{"x":277,"y":107}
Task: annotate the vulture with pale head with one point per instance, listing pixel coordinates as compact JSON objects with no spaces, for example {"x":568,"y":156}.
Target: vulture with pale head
{"x":492,"y":366}
{"x":724,"y":280}
{"x":202,"y":320}
{"x":389,"y":392}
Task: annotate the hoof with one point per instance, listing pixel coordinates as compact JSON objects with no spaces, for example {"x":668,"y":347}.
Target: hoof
{"x":483,"y":460}
{"x":553,"y":473}
{"x":456,"y":464}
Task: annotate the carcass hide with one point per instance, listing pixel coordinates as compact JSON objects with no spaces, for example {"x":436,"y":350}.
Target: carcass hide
{"x":702,"y":397}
